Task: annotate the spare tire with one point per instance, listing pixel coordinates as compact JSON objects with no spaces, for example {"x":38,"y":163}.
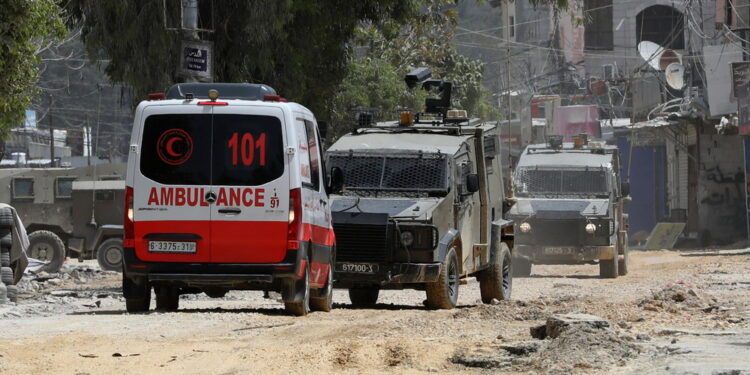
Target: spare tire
{"x":12,"y":292}
{"x":6,"y":275}
{"x":47,"y":247}
{"x":4,"y":258}
{"x":6,"y":241}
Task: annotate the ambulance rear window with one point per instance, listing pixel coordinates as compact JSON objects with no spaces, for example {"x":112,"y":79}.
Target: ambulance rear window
{"x":182,"y":149}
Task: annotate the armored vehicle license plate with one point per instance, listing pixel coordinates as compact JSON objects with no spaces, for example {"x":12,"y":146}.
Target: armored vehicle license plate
{"x":357,"y":267}
{"x":559,"y":250}
{"x":180,"y":247}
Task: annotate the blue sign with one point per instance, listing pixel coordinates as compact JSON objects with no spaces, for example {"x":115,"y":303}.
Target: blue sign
{"x":196,"y":59}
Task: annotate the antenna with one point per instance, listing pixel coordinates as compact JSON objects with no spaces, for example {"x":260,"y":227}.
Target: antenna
{"x":675,"y":74}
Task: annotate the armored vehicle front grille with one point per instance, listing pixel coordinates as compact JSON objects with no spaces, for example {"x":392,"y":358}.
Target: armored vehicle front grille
{"x":361,"y":243}
{"x":558,"y":232}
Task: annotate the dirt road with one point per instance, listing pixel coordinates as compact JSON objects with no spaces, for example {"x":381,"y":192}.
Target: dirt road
{"x":663,"y":316}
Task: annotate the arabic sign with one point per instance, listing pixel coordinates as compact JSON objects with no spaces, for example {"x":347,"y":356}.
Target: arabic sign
{"x":196,"y":59}
{"x":741,"y":89}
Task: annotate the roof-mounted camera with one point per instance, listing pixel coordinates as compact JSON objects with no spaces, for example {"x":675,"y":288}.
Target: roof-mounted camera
{"x":439,"y":106}
{"x":417,"y":76}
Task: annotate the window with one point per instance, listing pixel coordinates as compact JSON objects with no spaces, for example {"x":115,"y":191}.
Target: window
{"x":598,"y":33}
{"x":23,"y":188}
{"x":512,"y":26}
{"x":247,"y":150}
{"x":662,"y":25}
{"x":312,"y":149}
{"x":64,"y":187}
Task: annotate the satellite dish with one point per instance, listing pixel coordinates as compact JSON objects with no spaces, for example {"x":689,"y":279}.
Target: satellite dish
{"x":675,"y":73}
{"x":650,"y":52}
{"x":669,"y":57}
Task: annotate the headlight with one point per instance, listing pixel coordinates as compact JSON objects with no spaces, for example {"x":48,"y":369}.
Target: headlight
{"x":525,"y":227}
{"x":407,"y":238}
{"x":590,"y":228}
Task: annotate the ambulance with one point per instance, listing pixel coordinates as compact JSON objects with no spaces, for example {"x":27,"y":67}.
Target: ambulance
{"x":226,"y":190}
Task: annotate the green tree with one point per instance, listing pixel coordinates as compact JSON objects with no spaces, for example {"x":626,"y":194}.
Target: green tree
{"x":24,"y":25}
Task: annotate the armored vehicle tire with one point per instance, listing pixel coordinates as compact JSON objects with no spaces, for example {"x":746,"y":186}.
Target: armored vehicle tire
{"x":322,"y":299}
{"x":6,"y":241}
{"x":47,"y":247}
{"x":521,"y":267}
{"x":624,"y":261}
{"x":136,"y":305}
{"x":12,"y":291}
{"x":109,"y":255}
{"x":6,"y":275}
{"x":167,"y":298}
{"x":364,"y":296}
{"x":496,"y":282}
{"x":608,"y":268}
{"x":4,"y":258}
{"x":6,"y":218}
{"x":301,"y":308}
{"x":443,"y":293}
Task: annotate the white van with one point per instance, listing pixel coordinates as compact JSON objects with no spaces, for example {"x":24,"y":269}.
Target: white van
{"x":226,"y":190}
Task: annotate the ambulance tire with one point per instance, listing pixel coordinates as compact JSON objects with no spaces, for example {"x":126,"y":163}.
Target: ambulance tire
{"x":139,"y":303}
{"x":109,"y":255}
{"x":443,"y":293}
{"x":44,"y":242}
{"x":6,"y":218}
{"x":323,"y":297}
{"x":6,"y":275}
{"x":496,"y":281}
{"x":12,"y":291}
{"x":300,"y":306}
{"x":364,"y":296}
{"x":167,"y":298}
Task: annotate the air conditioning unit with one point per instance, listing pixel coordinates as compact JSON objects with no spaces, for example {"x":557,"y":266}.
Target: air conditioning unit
{"x":610,"y":71}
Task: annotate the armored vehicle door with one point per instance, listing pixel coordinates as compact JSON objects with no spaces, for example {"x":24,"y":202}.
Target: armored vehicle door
{"x":467,"y":209}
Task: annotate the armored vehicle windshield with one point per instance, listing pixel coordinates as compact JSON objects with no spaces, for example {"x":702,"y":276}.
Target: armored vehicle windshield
{"x":531,"y":182}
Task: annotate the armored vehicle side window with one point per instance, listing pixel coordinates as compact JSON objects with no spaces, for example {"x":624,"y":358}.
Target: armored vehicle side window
{"x":64,"y":187}
{"x":23,"y":188}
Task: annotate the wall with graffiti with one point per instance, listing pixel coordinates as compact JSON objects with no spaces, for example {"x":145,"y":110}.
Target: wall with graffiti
{"x":722,"y":190}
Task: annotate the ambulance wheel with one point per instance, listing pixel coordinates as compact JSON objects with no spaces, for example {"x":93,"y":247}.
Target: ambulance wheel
{"x":6,"y":218}
{"x":109,"y":255}
{"x":137,"y":295}
{"x":300,"y":305}
{"x":48,"y":248}
{"x":364,"y":296}
{"x":167,"y":298}
{"x":496,"y":282}
{"x":322,"y":299}
{"x":12,"y":291}
{"x":443,"y":293}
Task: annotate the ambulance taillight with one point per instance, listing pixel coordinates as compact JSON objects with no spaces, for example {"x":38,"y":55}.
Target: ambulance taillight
{"x":128,"y":224}
{"x":294,"y":232}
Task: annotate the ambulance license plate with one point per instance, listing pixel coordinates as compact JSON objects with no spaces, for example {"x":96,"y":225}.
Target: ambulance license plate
{"x":357,"y":267}
{"x":179,"y":247}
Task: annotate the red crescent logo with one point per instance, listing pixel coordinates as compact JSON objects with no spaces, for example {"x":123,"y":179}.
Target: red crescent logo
{"x":174,"y":147}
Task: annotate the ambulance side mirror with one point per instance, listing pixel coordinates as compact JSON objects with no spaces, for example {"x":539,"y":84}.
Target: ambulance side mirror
{"x":335,"y":181}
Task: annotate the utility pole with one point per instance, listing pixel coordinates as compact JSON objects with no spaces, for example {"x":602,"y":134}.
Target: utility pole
{"x":51,"y":144}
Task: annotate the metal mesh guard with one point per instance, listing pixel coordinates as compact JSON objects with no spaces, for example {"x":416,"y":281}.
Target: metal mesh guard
{"x":392,"y":172}
{"x":561,"y":181}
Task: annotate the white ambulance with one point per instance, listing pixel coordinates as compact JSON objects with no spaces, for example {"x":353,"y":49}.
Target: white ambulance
{"x":226,"y":190}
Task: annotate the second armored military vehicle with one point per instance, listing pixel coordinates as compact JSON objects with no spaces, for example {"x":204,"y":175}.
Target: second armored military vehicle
{"x":569,"y":207}
{"x":421,"y":208}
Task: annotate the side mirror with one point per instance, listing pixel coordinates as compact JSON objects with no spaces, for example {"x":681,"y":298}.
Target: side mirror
{"x":336,"y":181}
{"x":625,"y":189}
{"x":472,"y":183}
{"x":323,"y":128}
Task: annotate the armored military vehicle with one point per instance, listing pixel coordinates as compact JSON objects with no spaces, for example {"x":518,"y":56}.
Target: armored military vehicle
{"x":421,"y":207}
{"x":81,"y":207}
{"x":569,"y":207}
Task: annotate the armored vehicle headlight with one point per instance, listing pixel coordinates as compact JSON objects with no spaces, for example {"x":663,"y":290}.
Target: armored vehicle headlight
{"x":590,"y":228}
{"x":407,"y":238}
{"x":525,"y":227}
